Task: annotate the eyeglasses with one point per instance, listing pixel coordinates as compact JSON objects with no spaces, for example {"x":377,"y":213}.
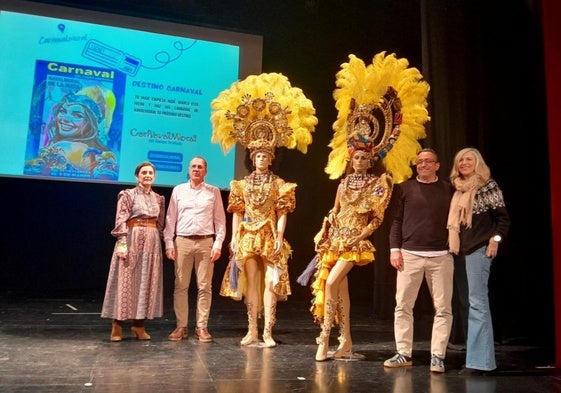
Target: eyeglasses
{"x":426,"y":161}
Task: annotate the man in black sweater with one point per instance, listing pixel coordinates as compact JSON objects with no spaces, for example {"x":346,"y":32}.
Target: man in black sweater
{"x":419,"y":250}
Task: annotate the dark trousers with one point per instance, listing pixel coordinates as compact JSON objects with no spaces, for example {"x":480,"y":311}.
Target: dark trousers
{"x":460,"y":302}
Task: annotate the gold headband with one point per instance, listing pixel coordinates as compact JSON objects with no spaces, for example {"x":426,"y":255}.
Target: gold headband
{"x":263,"y":112}
{"x":382,"y":108}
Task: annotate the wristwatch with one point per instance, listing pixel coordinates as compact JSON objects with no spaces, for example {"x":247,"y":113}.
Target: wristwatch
{"x":497,"y":238}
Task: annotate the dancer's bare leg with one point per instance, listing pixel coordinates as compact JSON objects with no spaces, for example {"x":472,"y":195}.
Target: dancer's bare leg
{"x":332,"y":287}
{"x":251,"y":300}
{"x":270,"y":305}
{"x":344,"y":312}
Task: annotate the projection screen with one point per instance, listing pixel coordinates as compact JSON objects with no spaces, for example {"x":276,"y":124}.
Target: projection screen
{"x":87,"y":95}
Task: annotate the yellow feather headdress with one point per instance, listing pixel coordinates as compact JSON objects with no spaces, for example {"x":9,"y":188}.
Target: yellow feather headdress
{"x":382,"y":109}
{"x":263,"y":112}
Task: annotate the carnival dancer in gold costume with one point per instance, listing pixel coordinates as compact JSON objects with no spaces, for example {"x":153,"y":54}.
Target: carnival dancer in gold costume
{"x":382,"y":109}
{"x":262,"y":112}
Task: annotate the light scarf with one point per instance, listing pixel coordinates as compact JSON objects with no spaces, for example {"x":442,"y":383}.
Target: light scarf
{"x":461,"y":209}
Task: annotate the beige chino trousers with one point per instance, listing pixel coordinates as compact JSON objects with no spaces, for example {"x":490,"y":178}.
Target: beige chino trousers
{"x":191,"y":254}
{"x":439,"y":275}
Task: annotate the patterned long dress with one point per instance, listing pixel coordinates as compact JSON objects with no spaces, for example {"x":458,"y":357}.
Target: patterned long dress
{"x":256,"y":235}
{"x":359,"y":208}
{"x":135,"y":286}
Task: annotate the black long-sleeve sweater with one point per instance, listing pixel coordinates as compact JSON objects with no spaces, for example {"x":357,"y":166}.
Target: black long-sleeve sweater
{"x":421,"y":216}
{"x":490,"y":217}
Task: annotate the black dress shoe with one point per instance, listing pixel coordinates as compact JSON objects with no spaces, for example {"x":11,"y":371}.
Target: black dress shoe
{"x":456,"y":347}
{"x":473,"y":372}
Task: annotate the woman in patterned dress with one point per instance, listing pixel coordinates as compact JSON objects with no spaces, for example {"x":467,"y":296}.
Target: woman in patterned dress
{"x":135,"y":283}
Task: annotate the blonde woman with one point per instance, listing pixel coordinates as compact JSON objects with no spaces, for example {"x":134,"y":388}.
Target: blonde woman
{"x":478,"y":222}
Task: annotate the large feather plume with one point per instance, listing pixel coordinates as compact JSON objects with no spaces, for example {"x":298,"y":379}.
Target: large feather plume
{"x":367,"y":84}
{"x":301,"y":119}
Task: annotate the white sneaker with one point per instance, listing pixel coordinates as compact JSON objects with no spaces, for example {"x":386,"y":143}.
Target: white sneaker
{"x":437,"y":364}
{"x":398,"y":360}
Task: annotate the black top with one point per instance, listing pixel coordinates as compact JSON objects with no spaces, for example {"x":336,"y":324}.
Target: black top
{"x":490,"y":218}
{"x":421,"y":216}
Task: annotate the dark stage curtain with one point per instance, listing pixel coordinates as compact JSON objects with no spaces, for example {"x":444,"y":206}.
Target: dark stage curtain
{"x":551,"y":17}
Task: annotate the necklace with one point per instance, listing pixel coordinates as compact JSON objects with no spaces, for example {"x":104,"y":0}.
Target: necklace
{"x":259,"y":187}
{"x":357,"y":186}
{"x":356,"y":181}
